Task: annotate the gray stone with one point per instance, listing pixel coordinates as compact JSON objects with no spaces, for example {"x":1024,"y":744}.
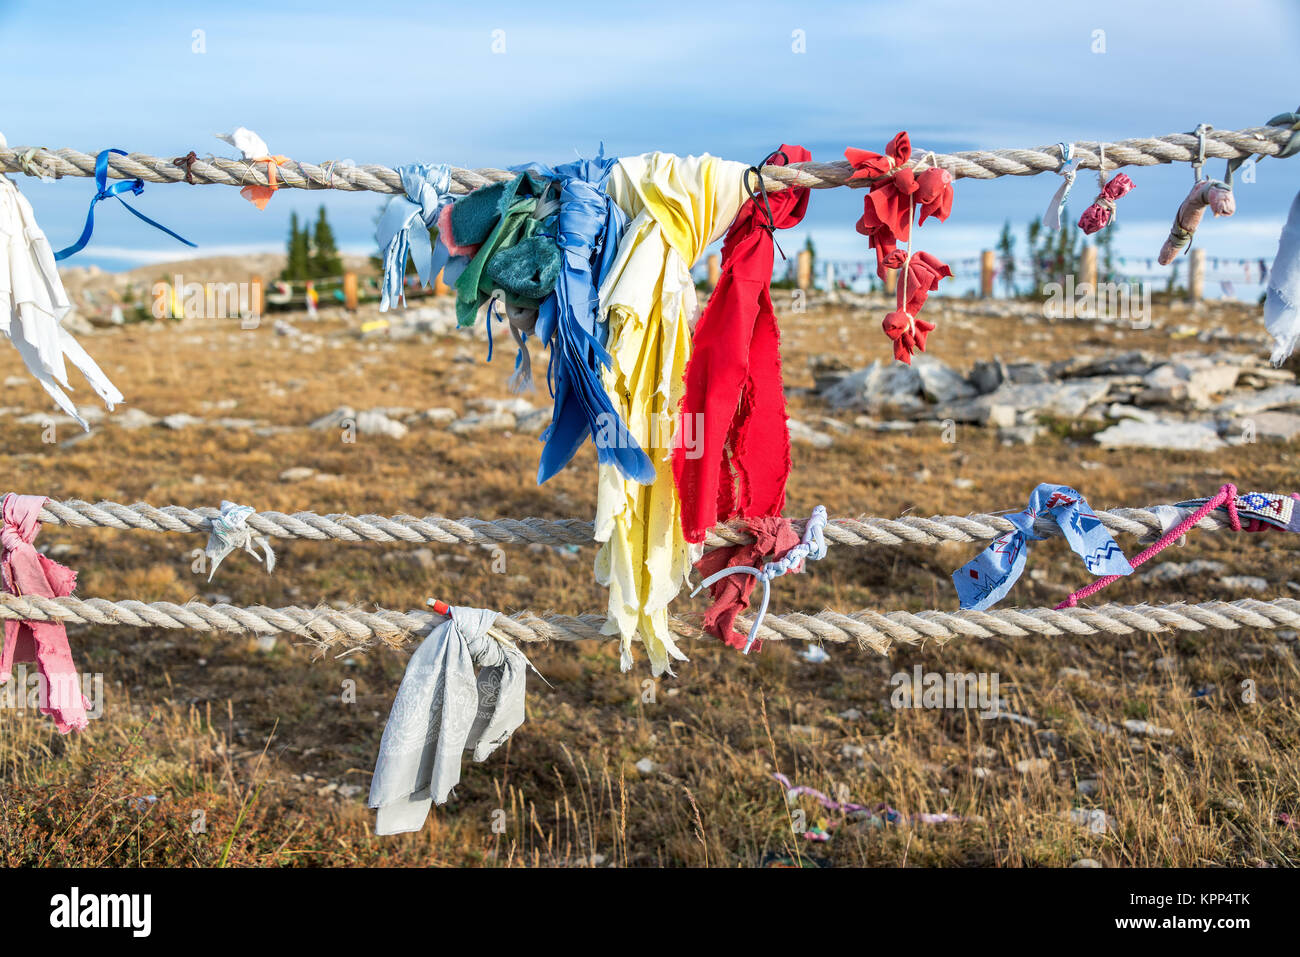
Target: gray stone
{"x":133,"y":418}
{"x":1247,"y":403}
{"x":297,"y":474}
{"x":878,"y":386}
{"x":483,"y":422}
{"x":1272,"y":425}
{"x":374,"y":422}
{"x":1167,"y":434}
{"x":939,"y":383}
{"x":987,"y":376}
{"x":1244,"y":583}
{"x":341,"y":416}
{"x":180,"y":420}
{"x":807,"y":436}
{"x":1135,"y":362}
{"x":1176,"y":571}
{"x":1019,"y":434}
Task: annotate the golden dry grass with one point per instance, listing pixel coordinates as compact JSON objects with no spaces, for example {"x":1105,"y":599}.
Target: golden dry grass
{"x":252,"y":757}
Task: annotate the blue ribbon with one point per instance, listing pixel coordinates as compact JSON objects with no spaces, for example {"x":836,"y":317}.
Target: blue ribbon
{"x":984,"y":580}
{"x":135,"y":186}
{"x":589,"y":226}
{"x":404,"y":227}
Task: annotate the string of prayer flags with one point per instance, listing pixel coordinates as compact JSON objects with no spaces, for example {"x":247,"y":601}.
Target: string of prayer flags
{"x":1282,"y":302}
{"x":254,"y":149}
{"x":984,"y":580}
{"x":404,"y":230}
{"x":443,"y":709}
{"x":33,"y":304}
{"x":677,"y":207}
{"x":25,"y":571}
{"x":104,"y":191}
{"x":731,"y":457}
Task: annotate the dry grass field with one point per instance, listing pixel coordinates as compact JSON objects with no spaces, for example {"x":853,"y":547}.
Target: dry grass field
{"x":219,"y":750}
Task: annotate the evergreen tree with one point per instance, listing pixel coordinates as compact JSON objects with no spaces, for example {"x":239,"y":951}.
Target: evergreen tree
{"x":325,"y":259}
{"x":1007,"y":249}
{"x":1035,"y":255}
{"x":298,"y":252}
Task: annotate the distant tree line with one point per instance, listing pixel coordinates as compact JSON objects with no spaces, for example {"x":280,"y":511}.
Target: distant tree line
{"x":311,"y":253}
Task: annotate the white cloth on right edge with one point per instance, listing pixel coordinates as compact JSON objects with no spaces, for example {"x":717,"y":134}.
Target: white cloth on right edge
{"x":442,"y":710}
{"x":33,"y":304}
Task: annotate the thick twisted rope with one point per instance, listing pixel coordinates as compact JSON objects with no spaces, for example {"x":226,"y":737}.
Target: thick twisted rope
{"x":973,"y":164}
{"x":908,"y":530}
{"x":355,"y":629}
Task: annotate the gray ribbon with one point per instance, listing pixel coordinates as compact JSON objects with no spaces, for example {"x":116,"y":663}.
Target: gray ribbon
{"x":229,"y":531}
{"x":442,"y":710}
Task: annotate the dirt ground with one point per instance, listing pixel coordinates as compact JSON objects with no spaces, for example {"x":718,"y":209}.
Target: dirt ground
{"x":227,"y":750}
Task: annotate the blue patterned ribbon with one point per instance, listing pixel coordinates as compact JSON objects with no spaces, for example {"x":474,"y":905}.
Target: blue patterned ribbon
{"x":104,"y":191}
{"x":404,"y":229}
{"x":984,"y":580}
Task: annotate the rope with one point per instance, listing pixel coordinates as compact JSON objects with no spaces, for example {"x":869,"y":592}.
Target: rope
{"x":973,"y":164}
{"x":344,"y":631}
{"x":853,"y":532}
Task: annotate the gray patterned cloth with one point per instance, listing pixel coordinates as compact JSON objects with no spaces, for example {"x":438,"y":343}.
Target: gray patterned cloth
{"x":441,"y":710}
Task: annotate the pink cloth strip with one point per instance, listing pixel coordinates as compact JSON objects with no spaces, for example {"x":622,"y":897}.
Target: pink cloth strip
{"x":26,"y":571}
{"x":1226,"y":495}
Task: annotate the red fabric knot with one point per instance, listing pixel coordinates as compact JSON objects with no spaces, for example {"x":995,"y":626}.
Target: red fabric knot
{"x":731,"y":455}
{"x":903,"y":326}
{"x":25,"y":571}
{"x":773,"y":538}
{"x":894,"y":192}
{"x":1102,"y":211}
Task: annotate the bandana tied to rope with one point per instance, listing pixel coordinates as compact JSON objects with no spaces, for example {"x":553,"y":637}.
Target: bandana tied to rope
{"x":894,"y":192}
{"x":254,"y":149}
{"x":588,"y":228}
{"x":27,"y":572}
{"x":104,"y":191}
{"x":678,"y":206}
{"x":1282,"y":307}
{"x":229,"y":532}
{"x":985,"y":580}
{"x":403,"y":230}
{"x":442,"y":710}
{"x":772,"y":536}
{"x":33,"y":303}
{"x":731,"y":457}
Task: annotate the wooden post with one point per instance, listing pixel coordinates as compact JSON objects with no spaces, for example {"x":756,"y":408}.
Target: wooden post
{"x":350,"y":291}
{"x":891,"y":282}
{"x":986,"y":274}
{"x":804,"y":274}
{"x":715,"y":270}
{"x":1088,"y":268}
{"x":1196,"y":277}
{"x":440,"y":288}
{"x":257,"y":297}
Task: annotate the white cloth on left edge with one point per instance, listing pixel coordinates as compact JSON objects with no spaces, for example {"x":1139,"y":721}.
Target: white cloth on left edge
{"x":442,"y":710}
{"x":1282,"y":307}
{"x":33,"y":304}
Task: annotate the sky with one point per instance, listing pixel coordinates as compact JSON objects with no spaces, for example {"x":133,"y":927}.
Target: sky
{"x":397,"y":83}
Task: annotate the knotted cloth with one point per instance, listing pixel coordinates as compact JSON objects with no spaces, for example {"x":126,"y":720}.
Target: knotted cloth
{"x":985,"y":579}
{"x":403,"y":229}
{"x":33,"y":304}
{"x":773,"y":536}
{"x":678,"y":206}
{"x":1282,"y":307}
{"x":230,"y":531}
{"x":731,"y":457}
{"x":588,"y":228}
{"x":442,"y":710}
{"x":27,"y":572}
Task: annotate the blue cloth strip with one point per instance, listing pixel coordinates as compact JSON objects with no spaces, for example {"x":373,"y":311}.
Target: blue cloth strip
{"x":404,"y":229}
{"x":103,"y":191}
{"x":984,"y":580}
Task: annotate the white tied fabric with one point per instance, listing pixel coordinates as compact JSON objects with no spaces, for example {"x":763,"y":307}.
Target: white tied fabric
{"x":230,"y":531}
{"x":33,"y":304}
{"x":249,"y":144}
{"x":441,"y":710}
{"x":1282,"y":307}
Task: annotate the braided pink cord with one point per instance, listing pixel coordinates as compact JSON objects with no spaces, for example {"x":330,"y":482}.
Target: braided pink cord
{"x":1227,"y":494}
